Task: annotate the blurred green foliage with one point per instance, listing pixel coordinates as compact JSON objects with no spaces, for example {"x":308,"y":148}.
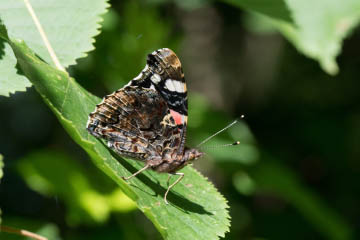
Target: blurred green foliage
{"x":86,"y":200}
{"x":134,"y":32}
{"x":295,"y":173}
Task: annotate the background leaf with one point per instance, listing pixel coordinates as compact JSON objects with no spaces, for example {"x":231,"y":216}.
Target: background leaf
{"x":70,"y":27}
{"x":317,"y":29}
{"x":277,"y":9}
{"x":196,"y":209}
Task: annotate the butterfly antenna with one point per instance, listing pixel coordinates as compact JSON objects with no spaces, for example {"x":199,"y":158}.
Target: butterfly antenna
{"x":218,"y":132}
{"x":224,"y":145}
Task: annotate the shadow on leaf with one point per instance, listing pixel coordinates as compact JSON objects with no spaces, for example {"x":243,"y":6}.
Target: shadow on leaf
{"x":174,"y":199}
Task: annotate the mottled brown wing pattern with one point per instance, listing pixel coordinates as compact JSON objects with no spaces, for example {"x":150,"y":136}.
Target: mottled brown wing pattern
{"x":136,"y":122}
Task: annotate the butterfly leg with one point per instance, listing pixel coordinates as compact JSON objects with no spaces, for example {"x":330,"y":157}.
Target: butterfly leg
{"x":172,"y":185}
{"x":168,"y":180}
{"x":143,"y":169}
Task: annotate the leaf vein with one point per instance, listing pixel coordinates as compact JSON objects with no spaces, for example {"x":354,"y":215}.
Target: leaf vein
{"x":65,"y":97}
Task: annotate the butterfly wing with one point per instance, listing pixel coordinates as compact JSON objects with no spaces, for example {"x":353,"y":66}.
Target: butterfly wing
{"x":163,"y":73}
{"x":136,"y":122}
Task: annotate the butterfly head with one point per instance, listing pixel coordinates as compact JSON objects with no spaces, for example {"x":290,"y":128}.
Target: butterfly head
{"x":191,"y":155}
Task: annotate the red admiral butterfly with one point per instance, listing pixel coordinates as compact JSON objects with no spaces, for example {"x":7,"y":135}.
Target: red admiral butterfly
{"x":146,"y":119}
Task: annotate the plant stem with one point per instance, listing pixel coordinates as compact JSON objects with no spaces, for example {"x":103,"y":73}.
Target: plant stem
{"x":21,"y":232}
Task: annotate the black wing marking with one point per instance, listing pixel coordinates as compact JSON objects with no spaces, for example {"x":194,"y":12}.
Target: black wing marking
{"x":163,"y":72}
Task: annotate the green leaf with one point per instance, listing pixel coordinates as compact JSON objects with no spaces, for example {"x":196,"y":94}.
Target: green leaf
{"x":69,"y":25}
{"x":244,"y":183}
{"x":277,"y":9}
{"x":10,"y":80}
{"x":196,"y":210}
{"x":316,"y":28}
{"x":64,"y":178}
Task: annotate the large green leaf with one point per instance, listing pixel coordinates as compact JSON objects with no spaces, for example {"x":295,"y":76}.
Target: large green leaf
{"x":10,"y":80}
{"x":196,"y":210}
{"x":69,"y":25}
{"x":316,"y":28}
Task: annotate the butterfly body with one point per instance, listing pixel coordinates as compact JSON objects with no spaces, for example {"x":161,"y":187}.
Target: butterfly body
{"x":146,"y":120}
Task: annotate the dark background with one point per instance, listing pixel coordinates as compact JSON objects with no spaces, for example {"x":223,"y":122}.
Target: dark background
{"x":306,"y":126}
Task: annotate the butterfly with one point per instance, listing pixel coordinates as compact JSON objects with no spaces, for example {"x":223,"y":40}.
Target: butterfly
{"x":146,"y":120}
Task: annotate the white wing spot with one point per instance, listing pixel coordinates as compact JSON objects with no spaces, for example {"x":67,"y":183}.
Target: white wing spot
{"x":179,"y":86}
{"x":155,"y":78}
{"x":169,"y":85}
{"x":175,"y":85}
